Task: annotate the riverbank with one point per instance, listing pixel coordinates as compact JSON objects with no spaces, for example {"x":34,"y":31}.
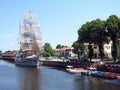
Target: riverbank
{"x":64,"y":64}
{"x":9,"y":59}
{"x":107,"y":65}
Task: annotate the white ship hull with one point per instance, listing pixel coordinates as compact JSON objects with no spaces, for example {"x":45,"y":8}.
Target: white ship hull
{"x":28,"y":62}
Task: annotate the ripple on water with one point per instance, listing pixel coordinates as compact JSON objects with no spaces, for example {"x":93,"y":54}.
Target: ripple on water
{"x":116,"y":81}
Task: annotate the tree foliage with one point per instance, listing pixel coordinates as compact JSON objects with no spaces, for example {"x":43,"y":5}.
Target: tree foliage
{"x":59,"y":46}
{"x":99,"y":35}
{"x":78,"y":46}
{"x":100,"y":32}
{"x":93,"y":32}
{"x":113,"y":27}
{"x":48,"y":51}
{"x":85,"y":33}
{"x":0,"y":52}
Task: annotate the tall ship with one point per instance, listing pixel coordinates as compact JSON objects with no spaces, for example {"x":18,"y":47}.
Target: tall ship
{"x":30,"y":41}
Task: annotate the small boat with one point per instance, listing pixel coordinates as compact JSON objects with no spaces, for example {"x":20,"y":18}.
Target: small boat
{"x":97,"y":73}
{"x":75,"y":70}
{"x":30,"y":41}
{"x":68,"y":68}
{"x":92,"y":68}
{"x":109,"y":75}
{"x":118,"y":76}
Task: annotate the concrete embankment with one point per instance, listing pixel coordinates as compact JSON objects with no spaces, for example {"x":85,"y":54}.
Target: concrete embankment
{"x":64,"y":64}
{"x":10,"y":59}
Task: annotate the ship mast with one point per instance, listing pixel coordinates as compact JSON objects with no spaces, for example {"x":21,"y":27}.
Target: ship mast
{"x":31,"y":38}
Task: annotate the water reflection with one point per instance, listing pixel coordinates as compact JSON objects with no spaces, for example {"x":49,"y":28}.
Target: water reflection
{"x":29,"y":79}
{"x":13,"y":77}
{"x":93,"y":83}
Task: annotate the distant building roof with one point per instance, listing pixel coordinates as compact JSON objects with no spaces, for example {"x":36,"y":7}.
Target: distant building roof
{"x":64,"y":48}
{"x":9,"y":54}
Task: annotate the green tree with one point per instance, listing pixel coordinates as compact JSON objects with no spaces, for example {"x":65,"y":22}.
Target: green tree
{"x":0,"y":52}
{"x":59,"y":46}
{"x":112,"y":25}
{"x":78,"y":46}
{"x":48,"y":51}
{"x":94,"y":32}
{"x":85,"y":34}
{"x":99,"y":34}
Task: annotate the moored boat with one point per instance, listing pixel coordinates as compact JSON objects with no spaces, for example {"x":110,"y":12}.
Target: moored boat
{"x":75,"y":70}
{"x":27,"y":61}
{"x":97,"y":73}
{"x":118,"y":76}
{"x":30,"y":41}
{"x":109,"y":75}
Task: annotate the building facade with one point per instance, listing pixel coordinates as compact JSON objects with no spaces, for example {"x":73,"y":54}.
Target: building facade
{"x":66,"y":51}
{"x":96,"y":54}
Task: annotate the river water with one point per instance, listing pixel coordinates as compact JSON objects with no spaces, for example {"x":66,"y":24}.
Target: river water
{"x":13,"y":77}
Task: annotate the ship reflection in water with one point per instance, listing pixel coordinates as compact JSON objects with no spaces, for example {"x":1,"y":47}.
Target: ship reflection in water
{"x":29,"y":78}
{"x":13,"y":77}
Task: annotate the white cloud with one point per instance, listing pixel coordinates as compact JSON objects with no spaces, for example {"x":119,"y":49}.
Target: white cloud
{"x":6,"y":35}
